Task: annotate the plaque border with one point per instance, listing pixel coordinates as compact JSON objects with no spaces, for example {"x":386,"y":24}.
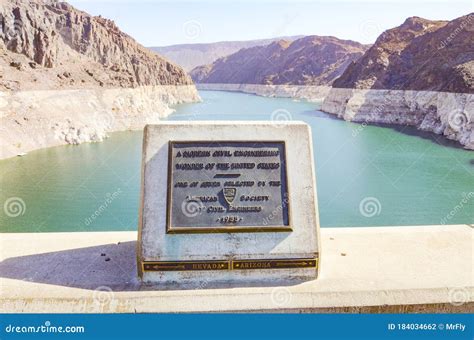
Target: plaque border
{"x":185,"y":265}
{"x":231,"y":265}
{"x":231,"y":229}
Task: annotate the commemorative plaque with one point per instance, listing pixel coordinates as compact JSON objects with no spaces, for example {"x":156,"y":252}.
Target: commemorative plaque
{"x":227,"y":202}
{"x":227,"y":186}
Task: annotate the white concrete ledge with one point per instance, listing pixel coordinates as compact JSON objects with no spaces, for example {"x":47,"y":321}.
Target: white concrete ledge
{"x":386,"y":269}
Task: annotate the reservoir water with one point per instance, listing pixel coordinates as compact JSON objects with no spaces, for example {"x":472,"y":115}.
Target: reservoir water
{"x":366,"y":175}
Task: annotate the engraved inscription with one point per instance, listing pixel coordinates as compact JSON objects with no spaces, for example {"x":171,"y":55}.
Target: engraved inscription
{"x":227,"y":187}
{"x":230,"y":264}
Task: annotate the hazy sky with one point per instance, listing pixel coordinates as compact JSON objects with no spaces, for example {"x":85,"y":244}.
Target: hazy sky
{"x":159,"y":22}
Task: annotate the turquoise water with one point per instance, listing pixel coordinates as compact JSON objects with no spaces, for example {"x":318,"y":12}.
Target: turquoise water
{"x":405,"y":179}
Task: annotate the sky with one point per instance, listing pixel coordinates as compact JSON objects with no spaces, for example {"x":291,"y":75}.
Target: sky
{"x":167,"y":22}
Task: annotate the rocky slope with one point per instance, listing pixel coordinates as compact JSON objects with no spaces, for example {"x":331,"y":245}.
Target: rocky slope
{"x":418,"y":55}
{"x":420,"y":73}
{"x":190,"y":56}
{"x":311,"y":60}
{"x":52,"y":54}
{"x":74,"y":48}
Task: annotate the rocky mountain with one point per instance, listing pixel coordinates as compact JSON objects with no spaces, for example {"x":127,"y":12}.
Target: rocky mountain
{"x":311,"y":60}
{"x":420,"y":54}
{"x":190,"y":56}
{"x":49,"y":44}
{"x":420,"y":73}
{"x":67,"y":77}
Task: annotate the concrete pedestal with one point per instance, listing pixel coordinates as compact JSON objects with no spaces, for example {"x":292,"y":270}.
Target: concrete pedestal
{"x":259,"y":253}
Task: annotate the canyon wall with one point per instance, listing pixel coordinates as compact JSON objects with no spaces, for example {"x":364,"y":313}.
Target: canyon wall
{"x":36,"y":119}
{"x":420,"y":73}
{"x":67,"y":77}
{"x":443,"y":113}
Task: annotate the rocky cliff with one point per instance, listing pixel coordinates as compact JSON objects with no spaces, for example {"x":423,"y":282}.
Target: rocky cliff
{"x":420,"y":73}
{"x":52,"y":42}
{"x":311,"y":60}
{"x":53,"y":55}
{"x":419,"y":55}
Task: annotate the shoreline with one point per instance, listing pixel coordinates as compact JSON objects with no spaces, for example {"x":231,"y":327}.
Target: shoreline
{"x":32,"y":120}
{"x":309,"y":93}
{"x":446,"y":114}
{"x":443,"y":141}
{"x":115,"y":110}
{"x":450,"y":115}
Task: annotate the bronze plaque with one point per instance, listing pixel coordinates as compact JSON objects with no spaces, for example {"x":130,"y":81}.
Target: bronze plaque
{"x":227,"y":186}
{"x":186,"y":265}
{"x":230,"y":264}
